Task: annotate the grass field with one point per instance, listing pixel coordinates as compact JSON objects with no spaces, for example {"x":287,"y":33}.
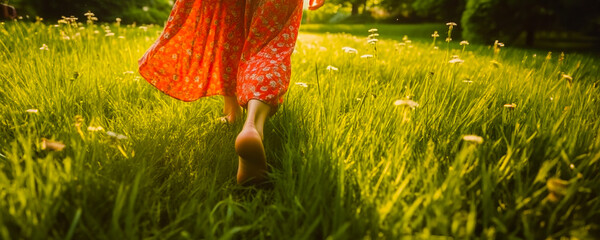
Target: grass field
{"x":504,"y":145}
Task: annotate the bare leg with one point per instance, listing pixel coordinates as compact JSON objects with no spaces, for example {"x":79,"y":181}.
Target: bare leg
{"x":249,"y":146}
{"x":231,"y":109}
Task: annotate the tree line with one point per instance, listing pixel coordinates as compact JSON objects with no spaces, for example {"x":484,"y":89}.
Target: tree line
{"x":485,"y":20}
{"x":129,"y":11}
{"x":479,"y":20}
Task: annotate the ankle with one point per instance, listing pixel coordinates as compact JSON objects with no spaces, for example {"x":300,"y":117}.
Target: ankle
{"x":250,"y":126}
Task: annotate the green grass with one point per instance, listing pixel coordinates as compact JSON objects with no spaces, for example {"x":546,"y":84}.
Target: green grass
{"x":346,"y":162}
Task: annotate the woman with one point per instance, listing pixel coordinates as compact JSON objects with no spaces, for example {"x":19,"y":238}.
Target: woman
{"x":239,"y":49}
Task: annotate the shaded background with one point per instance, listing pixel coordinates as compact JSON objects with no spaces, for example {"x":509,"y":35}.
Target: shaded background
{"x":560,"y":23}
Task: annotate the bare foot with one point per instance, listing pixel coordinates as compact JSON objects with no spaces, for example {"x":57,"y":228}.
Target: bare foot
{"x":252,"y":168}
{"x":231,"y":119}
{"x":231,"y":109}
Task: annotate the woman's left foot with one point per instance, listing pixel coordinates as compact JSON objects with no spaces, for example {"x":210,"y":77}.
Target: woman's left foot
{"x":232,"y":114}
{"x":232,"y":110}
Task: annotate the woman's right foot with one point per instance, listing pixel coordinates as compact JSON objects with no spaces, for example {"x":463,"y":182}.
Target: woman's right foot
{"x":252,"y":169}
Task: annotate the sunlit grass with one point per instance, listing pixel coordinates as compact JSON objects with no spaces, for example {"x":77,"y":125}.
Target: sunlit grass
{"x":406,"y":142}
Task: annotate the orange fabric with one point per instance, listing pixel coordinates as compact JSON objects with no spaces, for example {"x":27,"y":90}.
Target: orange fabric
{"x":225,"y":47}
{"x":315,"y":4}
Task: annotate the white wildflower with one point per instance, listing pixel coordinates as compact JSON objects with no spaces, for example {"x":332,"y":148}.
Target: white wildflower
{"x":473,"y":139}
{"x":52,"y":145}
{"x":350,"y":50}
{"x":116,"y":135}
{"x":332,"y":68}
{"x":455,"y":59}
{"x":95,"y":128}
{"x":301,"y":84}
{"x":510,"y":105}
{"x":407,"y":103}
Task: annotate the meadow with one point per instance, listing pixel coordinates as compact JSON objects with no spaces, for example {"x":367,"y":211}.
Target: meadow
{"x":398,"y":140}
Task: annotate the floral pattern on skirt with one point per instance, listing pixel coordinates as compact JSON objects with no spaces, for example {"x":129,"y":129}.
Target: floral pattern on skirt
{"x":225,"y":47}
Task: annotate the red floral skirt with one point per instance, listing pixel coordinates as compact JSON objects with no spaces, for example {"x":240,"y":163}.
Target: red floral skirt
{"x":225,"y":47}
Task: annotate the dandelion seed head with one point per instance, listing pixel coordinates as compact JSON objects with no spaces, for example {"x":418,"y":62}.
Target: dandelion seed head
{"x":145,"y":8}
{"x":464,"y":43}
